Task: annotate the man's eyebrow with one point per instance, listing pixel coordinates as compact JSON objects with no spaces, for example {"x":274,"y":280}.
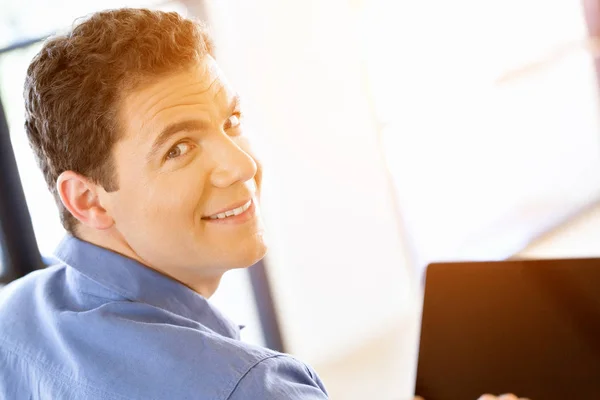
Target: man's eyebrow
{"x":172,"y":129}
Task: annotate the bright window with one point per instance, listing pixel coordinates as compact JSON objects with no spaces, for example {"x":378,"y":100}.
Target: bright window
{"x":488,"y":116}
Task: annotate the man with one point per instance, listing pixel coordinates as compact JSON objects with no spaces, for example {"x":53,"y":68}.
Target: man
{"x":140,"y":139}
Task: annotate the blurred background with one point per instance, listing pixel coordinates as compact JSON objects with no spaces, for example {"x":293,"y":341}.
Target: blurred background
{"x":393,"y":133}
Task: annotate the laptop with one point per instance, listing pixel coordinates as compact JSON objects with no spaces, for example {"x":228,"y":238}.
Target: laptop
{"x":528,"y":327}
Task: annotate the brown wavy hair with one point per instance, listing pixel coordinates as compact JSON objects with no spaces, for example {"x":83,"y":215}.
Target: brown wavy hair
{"x":75,"y":83}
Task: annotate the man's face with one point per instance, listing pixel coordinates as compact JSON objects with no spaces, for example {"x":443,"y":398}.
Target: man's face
{"x":188,"y":183}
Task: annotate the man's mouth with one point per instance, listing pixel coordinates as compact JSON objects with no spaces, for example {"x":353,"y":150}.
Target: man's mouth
{"x":232,"y":212}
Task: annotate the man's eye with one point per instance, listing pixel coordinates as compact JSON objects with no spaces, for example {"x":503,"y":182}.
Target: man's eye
{"x":232,"y":122}
{"x":178,"y":150}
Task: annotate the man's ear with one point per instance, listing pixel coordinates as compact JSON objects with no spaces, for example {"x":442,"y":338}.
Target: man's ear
{"x":80,"y":196}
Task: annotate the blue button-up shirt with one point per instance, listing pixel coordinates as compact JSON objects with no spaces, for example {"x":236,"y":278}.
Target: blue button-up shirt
{"x":102,"y":326}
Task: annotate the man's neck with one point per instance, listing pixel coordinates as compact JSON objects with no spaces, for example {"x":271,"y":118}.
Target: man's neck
{"x":111,"y":239}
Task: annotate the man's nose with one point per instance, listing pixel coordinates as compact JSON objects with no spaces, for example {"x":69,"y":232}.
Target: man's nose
{"x":231,"y":163}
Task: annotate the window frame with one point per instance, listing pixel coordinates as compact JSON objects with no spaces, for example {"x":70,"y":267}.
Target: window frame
{"x":20,"y":253}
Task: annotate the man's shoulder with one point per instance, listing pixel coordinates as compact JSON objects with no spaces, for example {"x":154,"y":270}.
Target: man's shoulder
{"x":148,"y":332}
{"x":29,"y":282}
{"x":116,"y":346}
{"x":32,"y":313}
{"x":21,"y":295}
{"x":280,"y":376}
{"x":150,"y":353}
{"x":38,"y":298}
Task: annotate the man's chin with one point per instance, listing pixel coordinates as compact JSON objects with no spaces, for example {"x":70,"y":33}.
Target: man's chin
{"x":251,"y":258}
{"x":234,"y":254}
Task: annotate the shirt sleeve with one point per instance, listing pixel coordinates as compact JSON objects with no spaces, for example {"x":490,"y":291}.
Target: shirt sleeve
{"x":280,"y":377}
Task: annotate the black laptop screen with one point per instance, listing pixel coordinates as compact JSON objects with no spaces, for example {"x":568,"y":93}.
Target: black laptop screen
{"x":526,"y":327}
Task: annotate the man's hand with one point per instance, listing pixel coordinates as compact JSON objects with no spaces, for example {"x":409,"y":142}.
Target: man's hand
{"x":491,"y":397}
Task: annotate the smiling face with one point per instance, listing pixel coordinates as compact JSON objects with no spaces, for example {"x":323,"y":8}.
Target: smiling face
{"x":188,"y":182}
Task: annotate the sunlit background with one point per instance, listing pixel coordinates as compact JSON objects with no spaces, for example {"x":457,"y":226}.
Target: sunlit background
{"x":393,"y":133}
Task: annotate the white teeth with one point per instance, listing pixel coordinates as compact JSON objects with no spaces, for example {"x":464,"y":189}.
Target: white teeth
{"x":235,"y":211}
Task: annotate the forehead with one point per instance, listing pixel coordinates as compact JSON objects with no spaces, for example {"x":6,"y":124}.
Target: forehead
{"x":199,"y":89}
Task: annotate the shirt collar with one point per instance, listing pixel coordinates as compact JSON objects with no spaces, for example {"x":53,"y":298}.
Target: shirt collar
{"x":139,"y":283}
